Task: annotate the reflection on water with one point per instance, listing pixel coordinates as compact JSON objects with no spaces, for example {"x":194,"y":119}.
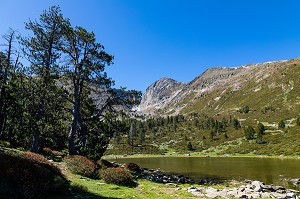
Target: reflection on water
{"x":268,"y":170}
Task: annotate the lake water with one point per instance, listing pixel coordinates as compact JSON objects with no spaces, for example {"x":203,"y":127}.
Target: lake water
{"x":268,"y":170}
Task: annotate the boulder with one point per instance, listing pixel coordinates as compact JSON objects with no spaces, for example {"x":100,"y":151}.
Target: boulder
{"x":278,"y":189}
{"x":257,"y":185}
{"x":291,"y":195}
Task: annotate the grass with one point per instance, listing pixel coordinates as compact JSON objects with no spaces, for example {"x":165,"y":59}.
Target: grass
{"x":91,"y":188}
{"x":145,"y":189}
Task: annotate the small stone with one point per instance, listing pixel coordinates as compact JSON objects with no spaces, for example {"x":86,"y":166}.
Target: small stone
{"x":254,"y":195}
{"x":265,"y":195}
{"x":249,"y":186}
{"x":278,"y":195}
{"x":192,"y":189}
{"x":233,"y":192}
{"x":241,"y":189}
{"x":277,"y":188}
{"x":267,"y":187}
{"x":291,"y":195}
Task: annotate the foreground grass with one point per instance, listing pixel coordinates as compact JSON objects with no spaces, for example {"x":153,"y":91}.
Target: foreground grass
{"x":93,"y":189}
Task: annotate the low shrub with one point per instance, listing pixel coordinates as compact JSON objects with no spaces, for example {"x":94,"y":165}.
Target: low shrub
{"x":46,"y":151}
{"x":132,"y":167}
{"x":117,"y":176}
{"x":36,"y":158}
{"x":29,"y":175}
{"x":51,"y":153}
{"x":104,"y":164}
{"x":81,"y":165}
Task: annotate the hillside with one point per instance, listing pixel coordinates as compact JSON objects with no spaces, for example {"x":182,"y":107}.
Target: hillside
{"x":269,"y":89}
{"x":258,"y":93}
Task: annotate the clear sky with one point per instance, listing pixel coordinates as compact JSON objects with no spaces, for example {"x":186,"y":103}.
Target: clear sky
{"x":179,"y":39}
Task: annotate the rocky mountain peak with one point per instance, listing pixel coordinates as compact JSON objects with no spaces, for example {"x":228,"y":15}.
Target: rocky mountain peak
{"x":159,"y":94}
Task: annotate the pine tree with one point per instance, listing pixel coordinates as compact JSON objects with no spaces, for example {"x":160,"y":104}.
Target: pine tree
{"x":249,"y":132}
{"x":42,"y":49}
{"x":7,"y":69}
{"x":281,"y":124}
{"x":260,"y":132}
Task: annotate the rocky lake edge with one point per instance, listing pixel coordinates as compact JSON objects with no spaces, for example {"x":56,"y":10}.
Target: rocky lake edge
{"x":211,"y":188}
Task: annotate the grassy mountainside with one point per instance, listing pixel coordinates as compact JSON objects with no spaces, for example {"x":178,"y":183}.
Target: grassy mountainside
{"x":260,"y":93}
{"x":271,"y":92}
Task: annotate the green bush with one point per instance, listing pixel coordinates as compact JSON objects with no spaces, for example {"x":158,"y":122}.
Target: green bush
{"x":249,"y":133}
{"x":116,"y":176}
{"x":281,"y":124}
{"x":82,"y":166}
{"x":298,"y":121}
{"x":189,"y":146}
{"x":29,"y":175}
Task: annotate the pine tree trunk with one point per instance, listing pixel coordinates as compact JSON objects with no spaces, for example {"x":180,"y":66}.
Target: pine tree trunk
{"x":2,"y":113}
{"x":72,"y":148}
{"x":35,"y":143}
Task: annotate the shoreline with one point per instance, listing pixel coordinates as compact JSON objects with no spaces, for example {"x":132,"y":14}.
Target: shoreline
{"x":200,"y":155}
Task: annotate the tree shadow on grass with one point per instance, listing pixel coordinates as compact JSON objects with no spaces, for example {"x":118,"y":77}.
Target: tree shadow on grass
{"x":79,"y":192}
{"x":79,"y":195}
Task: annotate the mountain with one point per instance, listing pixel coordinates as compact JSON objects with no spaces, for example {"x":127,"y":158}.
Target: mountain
{"x":211,"y":114}
{"x":264,"y":87}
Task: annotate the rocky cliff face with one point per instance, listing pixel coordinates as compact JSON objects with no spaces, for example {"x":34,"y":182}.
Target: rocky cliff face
{"x":167,"y":96}
{"x":160,"y":94}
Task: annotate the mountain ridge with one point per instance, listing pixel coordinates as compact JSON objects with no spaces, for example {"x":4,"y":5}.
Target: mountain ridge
{"x":167,"y":96}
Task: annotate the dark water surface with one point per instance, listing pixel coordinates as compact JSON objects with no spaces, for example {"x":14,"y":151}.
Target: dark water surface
{"x":268,"y":170}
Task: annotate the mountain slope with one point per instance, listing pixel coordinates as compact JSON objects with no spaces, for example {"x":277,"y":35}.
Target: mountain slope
{"x":212,"y":105}
{"x":266,"y":88}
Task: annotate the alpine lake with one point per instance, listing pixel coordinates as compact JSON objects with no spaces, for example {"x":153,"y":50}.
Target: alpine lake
{"x":275,"y":171}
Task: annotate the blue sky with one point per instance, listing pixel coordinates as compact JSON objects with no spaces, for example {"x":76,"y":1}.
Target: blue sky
{"x":179,"y":39}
